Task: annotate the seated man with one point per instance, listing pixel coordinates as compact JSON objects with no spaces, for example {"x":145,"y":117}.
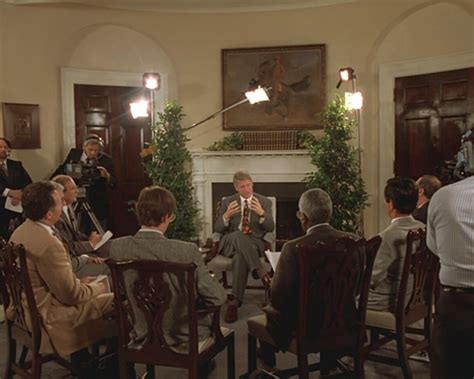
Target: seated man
{"x":243,"y":220}
{"x":155,"y":211}
{"x":71,"y":310}
{"x":427,"y":186}
{"x":315,"y":210}
{"x":80,"y":246}
{"x":401,"y":196}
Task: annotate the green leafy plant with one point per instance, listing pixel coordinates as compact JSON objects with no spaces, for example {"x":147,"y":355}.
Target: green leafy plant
{"x":234,"y":141}
{"x":338,"y":167}
{"x":167,"y":163}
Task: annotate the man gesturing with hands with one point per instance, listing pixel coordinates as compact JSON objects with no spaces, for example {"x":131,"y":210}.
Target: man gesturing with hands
{"x":243,"y":220}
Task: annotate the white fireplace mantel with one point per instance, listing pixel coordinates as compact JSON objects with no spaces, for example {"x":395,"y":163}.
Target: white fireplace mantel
{"x":276,"y":166}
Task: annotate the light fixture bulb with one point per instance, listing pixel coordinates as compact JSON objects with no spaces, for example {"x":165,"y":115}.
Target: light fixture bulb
{"x":152,"y":80}
{"x":257,"y":95}
{"x":354,"y":100}
{"x":139,"y":109}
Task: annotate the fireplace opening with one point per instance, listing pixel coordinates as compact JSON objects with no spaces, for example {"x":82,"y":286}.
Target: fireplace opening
{"x":287,"y":196}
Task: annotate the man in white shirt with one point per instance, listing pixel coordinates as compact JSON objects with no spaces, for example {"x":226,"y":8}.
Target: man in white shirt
{"x":450,"y":235}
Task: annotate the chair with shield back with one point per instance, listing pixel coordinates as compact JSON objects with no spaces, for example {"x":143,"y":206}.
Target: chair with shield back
{"x":23,"y":320}
{"x":414,"y":303}
{"x":145,"y":284}
{"x":329,"y":319}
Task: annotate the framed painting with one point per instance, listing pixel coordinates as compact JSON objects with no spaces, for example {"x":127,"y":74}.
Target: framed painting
{"x":296,"y":76}
{"x":21,"y":125}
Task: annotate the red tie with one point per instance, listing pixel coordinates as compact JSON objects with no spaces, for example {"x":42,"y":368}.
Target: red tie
{"x":245,"y":219}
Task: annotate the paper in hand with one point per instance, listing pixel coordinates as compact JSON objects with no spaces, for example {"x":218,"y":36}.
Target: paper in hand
{"x":15,"y":208}
{"x":107,"y":235}
{"x":273,"y":258}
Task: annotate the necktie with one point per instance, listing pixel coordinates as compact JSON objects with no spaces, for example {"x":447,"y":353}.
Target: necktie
{"x":72,"y":218}
{"x":4,"y":168}
{"x":245,"y":219}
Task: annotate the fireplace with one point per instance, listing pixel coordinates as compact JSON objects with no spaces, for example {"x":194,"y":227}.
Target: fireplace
{"x":275,"y":173}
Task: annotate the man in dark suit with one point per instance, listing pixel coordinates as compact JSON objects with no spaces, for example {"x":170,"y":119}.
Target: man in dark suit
{"x":84,"y":258}
{"x":13,"y":178}
{"x":243,"y":220}
{"x":279,"y":320}
{"x":427,"y":186}
{"x":92,"y":155}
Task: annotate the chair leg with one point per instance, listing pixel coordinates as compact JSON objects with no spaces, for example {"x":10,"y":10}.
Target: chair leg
{"x":359,"y":362}
{"x":402,"y":355}
{"x":303,"y":369}
{"x":125,"y":368}
{"x":252,"y":354}
{"x":231,"y":357}
{"x":36,"y":366}
{"x":23,"y":354}
{"x":150,"y":371}
{"x":11,"y":357}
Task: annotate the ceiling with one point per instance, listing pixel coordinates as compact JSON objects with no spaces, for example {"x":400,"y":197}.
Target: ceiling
{"x":190,"y":6}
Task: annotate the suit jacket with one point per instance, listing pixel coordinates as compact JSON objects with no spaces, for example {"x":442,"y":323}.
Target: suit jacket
{"x":77,"y":242}
{"x":153,"y":245}
{"x":258,"y":229}
{"x":97,"y":192}
{"x":388,"y":264}
{"x":421,"y":214}
{"x":17,"y":179}
{"x":71,"y":311}
{"x":282,"y":309}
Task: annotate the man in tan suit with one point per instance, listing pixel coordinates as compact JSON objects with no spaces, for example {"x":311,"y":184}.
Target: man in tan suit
{"x":71,"y":310}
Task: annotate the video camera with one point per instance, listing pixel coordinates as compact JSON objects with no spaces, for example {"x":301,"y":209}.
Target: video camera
{"x":84,"y":174}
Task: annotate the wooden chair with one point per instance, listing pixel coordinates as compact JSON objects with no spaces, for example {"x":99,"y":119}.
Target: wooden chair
{"x":419,"y":273}
{"x":23,"y":326}
{"x":152,"y":294}
{"x":222,"y":264}
{"x":329,"y":321}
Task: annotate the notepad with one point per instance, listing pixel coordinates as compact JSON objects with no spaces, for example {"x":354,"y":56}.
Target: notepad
{"x":104,"y":279}
{"x":273,"y":258}
{"x":107,"y":235}
{"x":15,"y":208}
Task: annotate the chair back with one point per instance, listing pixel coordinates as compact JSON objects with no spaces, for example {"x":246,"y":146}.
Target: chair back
{"x":419,"y":273}
{"x":149,"y":290}
{"x":332,"y":275}
{"x":15,"y":287}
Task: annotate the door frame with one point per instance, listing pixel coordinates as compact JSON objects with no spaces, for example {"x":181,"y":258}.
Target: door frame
{"x":387,"y":74}
{"x":71,"y":76}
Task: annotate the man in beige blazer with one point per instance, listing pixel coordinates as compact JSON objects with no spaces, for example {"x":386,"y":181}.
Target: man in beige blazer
{"x":71,"y":310}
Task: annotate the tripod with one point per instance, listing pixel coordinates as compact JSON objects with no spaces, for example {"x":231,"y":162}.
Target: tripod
{"x":83,"y":206}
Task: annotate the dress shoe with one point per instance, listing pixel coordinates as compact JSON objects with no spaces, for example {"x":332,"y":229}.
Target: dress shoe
{"x":231,"y":314}
{"x":260,"y":273}
{"x":211,"y":254}
{"x":267,"y":358}
{"x":205,"y":370}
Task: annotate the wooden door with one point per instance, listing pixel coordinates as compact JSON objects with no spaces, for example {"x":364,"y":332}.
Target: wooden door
{"x":432,"y":113}
{"x":104,"y":110}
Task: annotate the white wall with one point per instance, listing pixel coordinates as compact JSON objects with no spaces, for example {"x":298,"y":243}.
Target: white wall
{"x":35,"y":42}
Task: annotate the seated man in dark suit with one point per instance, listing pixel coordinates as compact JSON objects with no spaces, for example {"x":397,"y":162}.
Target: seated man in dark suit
{"x":243,"y":219}
{"x":315,"y":210}
{"x":91,"y":155}
{"x":427,"y":186}
{"x":13,"y":178}
{"x":84,"y":259}
{"x":156,"y":208}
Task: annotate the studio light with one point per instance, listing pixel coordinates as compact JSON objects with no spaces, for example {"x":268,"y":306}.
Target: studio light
{"x":345,"y":74}
{"x":139,"y":109}
{"x":152,"y":80}
{"x":257,"y":95}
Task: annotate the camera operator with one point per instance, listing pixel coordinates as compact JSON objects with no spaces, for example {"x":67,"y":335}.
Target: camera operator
{"x":97,"y":177}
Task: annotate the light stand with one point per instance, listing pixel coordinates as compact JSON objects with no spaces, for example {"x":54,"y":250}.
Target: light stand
{"x":152,"y":81}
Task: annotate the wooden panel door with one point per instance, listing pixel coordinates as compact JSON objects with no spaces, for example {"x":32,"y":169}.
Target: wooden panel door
{"x":104,"y":110}
{"x":432,"y":113}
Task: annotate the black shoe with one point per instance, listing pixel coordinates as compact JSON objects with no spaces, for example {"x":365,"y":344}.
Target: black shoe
{"x":206,"y":369}
{"x":267,"y":357}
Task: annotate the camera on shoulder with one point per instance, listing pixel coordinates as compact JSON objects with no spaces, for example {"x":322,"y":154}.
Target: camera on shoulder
{"x":84,"y":174}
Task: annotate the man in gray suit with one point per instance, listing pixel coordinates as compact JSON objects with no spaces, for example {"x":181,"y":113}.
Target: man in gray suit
{"x":243,"y":220}
{"x":81,"y":248}
{"x":156,"y":208}
{"x":401,"y":197}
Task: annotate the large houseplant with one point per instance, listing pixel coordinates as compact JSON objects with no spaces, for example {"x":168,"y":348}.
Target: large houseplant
{"x":338,"y":167}
{"x":168,"y":165}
